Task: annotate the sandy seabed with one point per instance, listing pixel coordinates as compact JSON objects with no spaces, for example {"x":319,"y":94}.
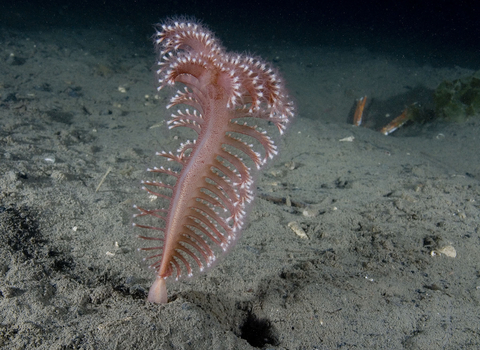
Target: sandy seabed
{"x":377,"y":211}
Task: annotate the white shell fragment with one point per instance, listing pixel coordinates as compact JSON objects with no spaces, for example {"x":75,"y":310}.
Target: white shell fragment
{"x":447,"y":250}
{"x":297,"y":229}
{"x":347,"y":139}
{"x":310,"y":212}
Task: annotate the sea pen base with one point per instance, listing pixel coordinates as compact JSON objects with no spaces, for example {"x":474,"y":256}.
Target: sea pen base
{"x":158,"y":291}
